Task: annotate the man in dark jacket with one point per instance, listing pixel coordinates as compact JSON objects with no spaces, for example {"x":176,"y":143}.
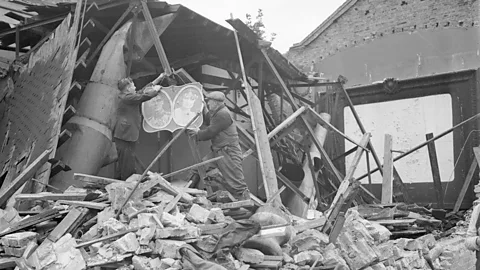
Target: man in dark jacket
{"x":129,"y":119}
{"x":222,"y":132}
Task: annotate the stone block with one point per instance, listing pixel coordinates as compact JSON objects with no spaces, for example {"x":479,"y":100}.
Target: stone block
{"x":105,"y":215}
{"x":307,"y":257}
{"x":43,"y":256}
{"x":428,"y":240}
{"x":216,"y":215}
{"x":15,"y":251}
{"x":167,"y":263}
{"x":8,"y":217}
{"x":198,"y":214}
{"x":147,"y":234}
{"x":356,"y":244}
{"x":309,"y":240}
{"x":118,"y":193}
{"x":112,"y":226}
{"x":169,"y":220}
{"x":248,"y":255}
{"x":379,"y":232}
{"x":128,"y":243}
{"x":146,"y":219}
{"x":332,"y":256}
{"x":19,"y":239}
{"x":168,"y":248}
{"x":61,"y":255}
{"x":413,"y":245}
{"x":385,"y":250}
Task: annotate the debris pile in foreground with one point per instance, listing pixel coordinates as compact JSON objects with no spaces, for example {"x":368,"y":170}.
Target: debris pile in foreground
{"x":168,"y":227}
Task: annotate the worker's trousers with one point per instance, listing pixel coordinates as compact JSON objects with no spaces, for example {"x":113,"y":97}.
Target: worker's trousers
{"x":125,"y":165}
{"x":231,"y":168}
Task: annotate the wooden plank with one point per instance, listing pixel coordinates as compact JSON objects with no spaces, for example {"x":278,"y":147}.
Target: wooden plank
{"x":328,"y":162}
{"x":48,"y":196}
{"x":437,"y":182}
{"x":466,"y":185}
{"x":264,"y":153}
{"x":171,"y":205}
{"x":63,"y":137}
{"x":63,"y":227}
{"x":156,"y":39}
{"x":276,"y":194}
{"x":109,"y":237}
{"x":23,"y":177}
{"x":351,"y":170}
{"x":30,"y":221}
{"x":234,"y":205}
{"x":92,"y":205}
{"x":91,"y":181}
{"x":395,"y":222}
{"x":387,"y":184}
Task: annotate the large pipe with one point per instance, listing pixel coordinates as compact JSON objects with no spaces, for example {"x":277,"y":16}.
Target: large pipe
{"x":91,"y":143}
{"x":91,"y":147}
{"x":296,"y":205}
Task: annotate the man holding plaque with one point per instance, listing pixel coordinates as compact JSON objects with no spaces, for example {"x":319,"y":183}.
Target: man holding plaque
{"x":222,"y":132}
{"x":129,"y":119}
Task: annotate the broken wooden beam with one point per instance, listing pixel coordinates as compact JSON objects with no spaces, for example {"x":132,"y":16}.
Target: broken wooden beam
{"x":387,"y":183}
{"x":91,"y":205}
{"x":316,"y":223}
{"x":264,"y":153}
{"x":287,"y":122}
{"x":156,"y":39}
{"x":73,"y":219}
{"x":192,"y":167}
{"x":154,"y":161}
{"x":351,"y":170}
{"x":94,"y":182}
{"x":109,"y":237}
{"x":437,"y":182}
{"x":23,"y":177}
{"x":48,"y":196}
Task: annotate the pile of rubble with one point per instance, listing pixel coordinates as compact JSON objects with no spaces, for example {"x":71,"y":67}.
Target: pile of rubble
{"x":169,"y":227}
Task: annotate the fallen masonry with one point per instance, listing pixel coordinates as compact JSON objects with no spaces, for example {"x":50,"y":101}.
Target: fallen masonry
{"x":198,"y":234}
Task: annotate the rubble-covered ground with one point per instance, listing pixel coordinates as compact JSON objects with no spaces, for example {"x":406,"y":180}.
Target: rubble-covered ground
{"x":171,"y":227}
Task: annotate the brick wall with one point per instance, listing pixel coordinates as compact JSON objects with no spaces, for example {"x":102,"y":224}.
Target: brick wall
{"x":368,"y":20}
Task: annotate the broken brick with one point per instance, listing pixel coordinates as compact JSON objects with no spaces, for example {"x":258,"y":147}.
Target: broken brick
{"x":112,"y":226}
{"x":199,"y":214}
{"x":128,"y":243}
{"x":216,"y":215}
{"x":19,"y":239}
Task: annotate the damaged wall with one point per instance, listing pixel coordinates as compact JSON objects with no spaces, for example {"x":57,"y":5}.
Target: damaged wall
{"x":358,"y":22}
{"x":31,"y":122}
